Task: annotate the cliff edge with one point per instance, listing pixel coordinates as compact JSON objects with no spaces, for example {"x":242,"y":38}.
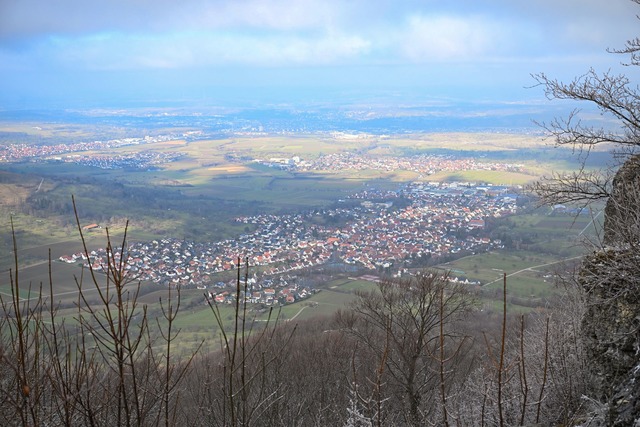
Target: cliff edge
{"x":611,"y":280}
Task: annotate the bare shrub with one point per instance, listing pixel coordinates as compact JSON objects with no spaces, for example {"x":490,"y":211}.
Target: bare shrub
{"x":99,"y":368}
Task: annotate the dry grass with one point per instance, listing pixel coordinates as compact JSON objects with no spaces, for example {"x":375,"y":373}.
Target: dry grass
{"x":173,"y":142}
{"x":13,"y":195}
{"x":230,"y":168}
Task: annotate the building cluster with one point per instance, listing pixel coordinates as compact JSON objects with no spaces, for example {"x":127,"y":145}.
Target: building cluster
{"x":441,"y":219}
{"x":279,"y":290}
{"x":139,"y":160}
{"x":19,"y":152}
{"x":424,"y":165}
{"x":173,"y":262}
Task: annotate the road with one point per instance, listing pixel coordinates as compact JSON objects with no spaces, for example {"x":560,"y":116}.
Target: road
{"x":532,"y":268}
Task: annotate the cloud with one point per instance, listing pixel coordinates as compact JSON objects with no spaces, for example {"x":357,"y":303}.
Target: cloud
{"x":579,"y":24}
{"x":117,"y":51}
{"x":273,"y":14}
{"x":447,"y":38}
{"x":133,"y":34}
{"x":204,"y":34}
{"x":31,"y":18}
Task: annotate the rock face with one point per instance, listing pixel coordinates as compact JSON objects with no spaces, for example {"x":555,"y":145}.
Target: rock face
{"x":622,"y":213}
{"x":611,"y":280}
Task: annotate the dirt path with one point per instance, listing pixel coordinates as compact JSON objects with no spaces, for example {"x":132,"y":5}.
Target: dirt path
{"x":533,"y":267}
{"x":298,"y":313}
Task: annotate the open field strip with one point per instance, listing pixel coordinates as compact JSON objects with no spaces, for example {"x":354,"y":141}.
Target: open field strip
{"x":50,"y":130}
{"x":467,"y":141}
{"x":323,"y":303}
{"x":534,"y":267}
{"x":231,"y":168}
{"x":490,"y":177}
{"x":173,"y":143}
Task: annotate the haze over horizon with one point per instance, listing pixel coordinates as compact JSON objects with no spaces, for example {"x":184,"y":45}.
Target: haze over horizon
{"x":77,"y":54}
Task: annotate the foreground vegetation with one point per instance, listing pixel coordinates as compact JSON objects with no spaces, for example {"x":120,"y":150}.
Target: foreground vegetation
{"x":413,"y":351}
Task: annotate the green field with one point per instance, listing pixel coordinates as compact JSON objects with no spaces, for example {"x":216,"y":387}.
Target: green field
{"x":530,"y":275}
{"x":197,"y":322}
{"x":554,"y":244}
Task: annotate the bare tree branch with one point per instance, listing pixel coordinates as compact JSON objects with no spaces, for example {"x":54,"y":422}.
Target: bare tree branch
{"x":581,"y":186}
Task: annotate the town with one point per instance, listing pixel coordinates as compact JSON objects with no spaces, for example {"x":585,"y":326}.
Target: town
{"x":372,"y":233}
{"x":425,"y":165}
{"x":22,"y":152}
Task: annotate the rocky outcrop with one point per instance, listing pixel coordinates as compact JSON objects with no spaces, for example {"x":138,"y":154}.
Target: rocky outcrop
{"x":611,"y":280}
{"x":622,"y":213}
{"x":612,"y":319}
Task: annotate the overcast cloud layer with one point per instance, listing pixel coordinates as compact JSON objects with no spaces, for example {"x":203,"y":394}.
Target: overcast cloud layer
{"x":144,"y":47}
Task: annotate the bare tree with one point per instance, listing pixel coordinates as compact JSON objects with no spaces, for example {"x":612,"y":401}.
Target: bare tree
{"x":243,"y":383}
{"x":617,"y":98}
{"x":103,"y":367}
{"x":406,"y":325}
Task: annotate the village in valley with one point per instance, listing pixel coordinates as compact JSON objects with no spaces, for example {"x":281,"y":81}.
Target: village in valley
{"x":386,"y":232}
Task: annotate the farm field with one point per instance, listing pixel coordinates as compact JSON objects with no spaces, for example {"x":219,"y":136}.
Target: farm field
{"x":530,"y":272}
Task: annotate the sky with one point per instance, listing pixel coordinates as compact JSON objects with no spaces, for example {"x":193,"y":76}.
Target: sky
{"x":109,"y":52}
